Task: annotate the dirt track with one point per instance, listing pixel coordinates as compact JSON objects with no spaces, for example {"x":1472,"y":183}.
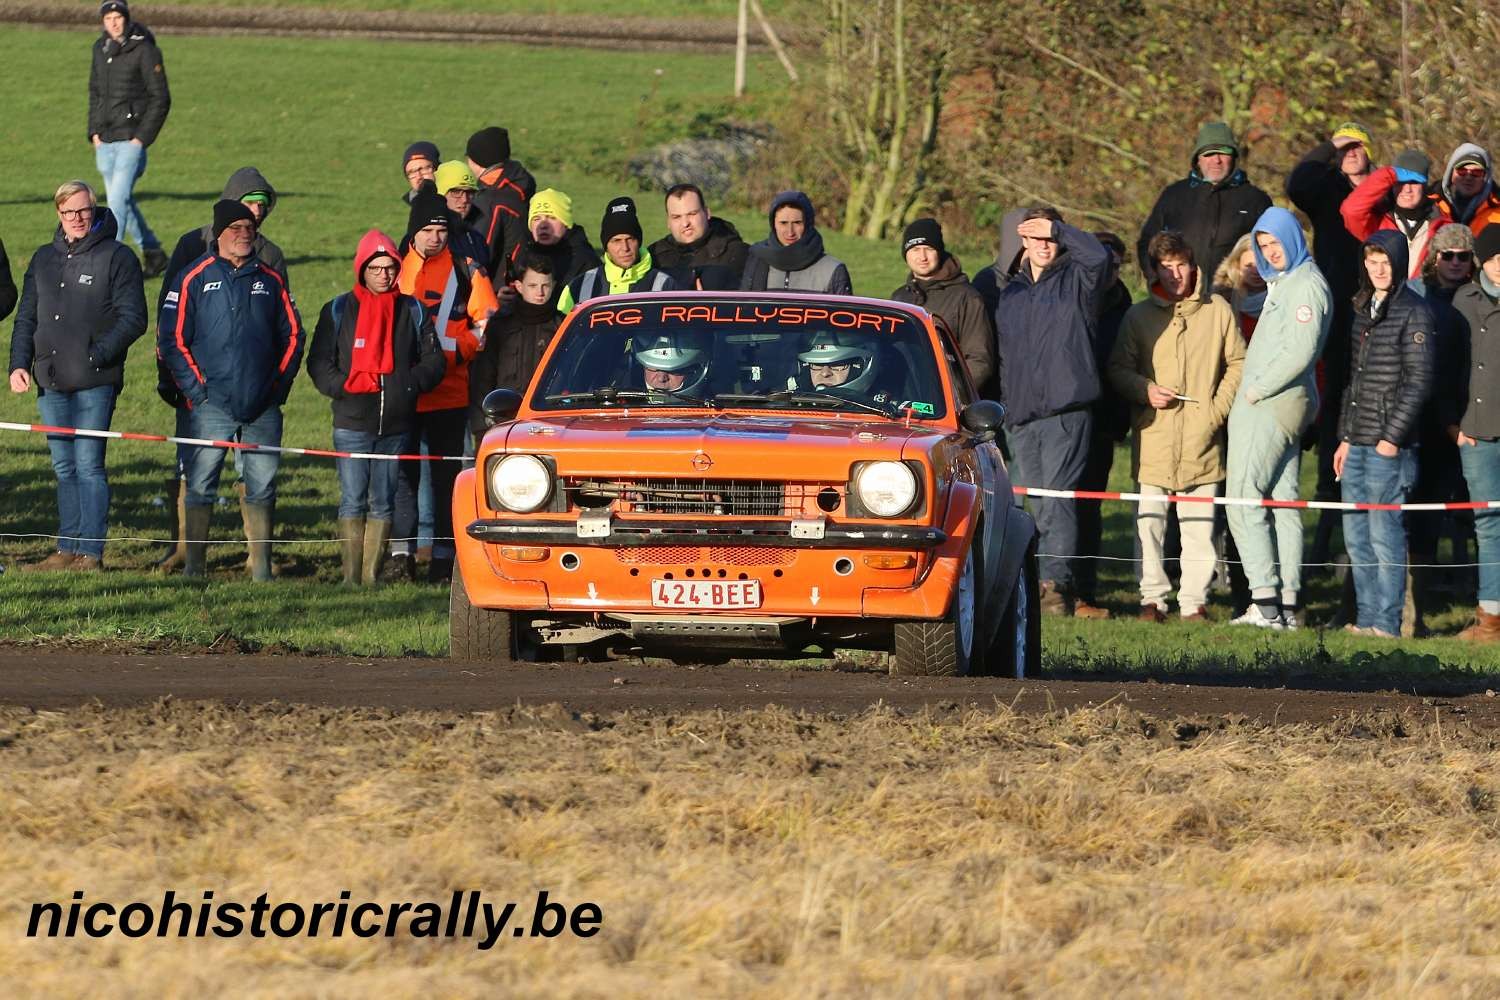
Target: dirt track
{"x":635,"y":33}
{"x":54,"y":679}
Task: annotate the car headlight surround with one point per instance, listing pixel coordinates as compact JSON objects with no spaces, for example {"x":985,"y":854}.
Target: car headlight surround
{"x":886,"y":489}
{"x":520,"y":483}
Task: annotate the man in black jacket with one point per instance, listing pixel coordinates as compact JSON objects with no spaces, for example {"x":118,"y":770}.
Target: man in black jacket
{"x":7,"y":285}
{"x":1318,"y":185}
{"x":699,"y":250}
{"x":936,"y":282}
{"x":1212,"y":207}
{"x":1478,"y":414}
{"x":1391,"y":357}
{"x":83,"y":304}
{"x":128,"y":104}
{"x":503,"y":201}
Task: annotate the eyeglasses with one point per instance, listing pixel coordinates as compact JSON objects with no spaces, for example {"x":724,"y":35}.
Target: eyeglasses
{"x":1463,"y":255}
{"x":383,"y":268}
{"x":416,"y":172}
{"x":1470,"y":172}
{"x":75,"y":213}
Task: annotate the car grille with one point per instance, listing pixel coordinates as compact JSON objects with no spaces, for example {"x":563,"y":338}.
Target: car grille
{"x":718,"y":555}
{"x":715,"y":497}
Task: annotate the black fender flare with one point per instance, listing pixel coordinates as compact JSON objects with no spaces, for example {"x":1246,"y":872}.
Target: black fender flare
{"x":1004,"y":561}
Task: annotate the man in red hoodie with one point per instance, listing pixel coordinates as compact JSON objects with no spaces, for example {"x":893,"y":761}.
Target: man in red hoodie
{"x":1396,"y":197}
{"x":374,"y":353}
{"x":456,"y":293}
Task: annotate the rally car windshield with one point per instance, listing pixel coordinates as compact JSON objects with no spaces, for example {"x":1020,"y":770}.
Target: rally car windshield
{"x":744,"y":354}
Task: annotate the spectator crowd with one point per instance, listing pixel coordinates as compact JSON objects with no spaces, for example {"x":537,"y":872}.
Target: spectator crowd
{"x":1368,"y":342}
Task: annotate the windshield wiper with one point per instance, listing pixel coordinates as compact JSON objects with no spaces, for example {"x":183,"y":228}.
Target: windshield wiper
{"x":609,"y":396}
{"x":822,"y":399}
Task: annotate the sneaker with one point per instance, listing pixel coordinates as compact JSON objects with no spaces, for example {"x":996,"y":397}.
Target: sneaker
{"x":1088,"y":609}
{"x":1289,"y":620}
{"x":1253,"y":616}
{"x":1152,"y":613}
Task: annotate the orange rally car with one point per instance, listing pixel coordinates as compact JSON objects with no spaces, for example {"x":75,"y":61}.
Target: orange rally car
{"x":746,"y":472}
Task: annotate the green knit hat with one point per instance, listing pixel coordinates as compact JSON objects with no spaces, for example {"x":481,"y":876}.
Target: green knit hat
{"x":1215,"y":137}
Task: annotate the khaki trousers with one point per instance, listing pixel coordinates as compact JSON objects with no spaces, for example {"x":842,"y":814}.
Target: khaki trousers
{"x":1195,"y":522}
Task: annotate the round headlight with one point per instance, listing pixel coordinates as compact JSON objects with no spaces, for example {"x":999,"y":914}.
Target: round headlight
{"x":886,"y":489}
{"x":521,"y":483}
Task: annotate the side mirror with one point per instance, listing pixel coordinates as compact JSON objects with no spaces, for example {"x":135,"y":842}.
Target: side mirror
{"x":500,"y":405}
{"x":985,"y":418}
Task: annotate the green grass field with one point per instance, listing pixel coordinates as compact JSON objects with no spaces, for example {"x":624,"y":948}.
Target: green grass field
{"x":659,"y":9}
{"x":326,"y":121}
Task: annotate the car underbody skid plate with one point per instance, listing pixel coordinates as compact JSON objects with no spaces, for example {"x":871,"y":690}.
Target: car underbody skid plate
{"x":708,"y":629}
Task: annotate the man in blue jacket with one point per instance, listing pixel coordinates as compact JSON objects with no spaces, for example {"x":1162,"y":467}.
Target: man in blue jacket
{"x":230,"y":334}
{"x":1046,"y":317}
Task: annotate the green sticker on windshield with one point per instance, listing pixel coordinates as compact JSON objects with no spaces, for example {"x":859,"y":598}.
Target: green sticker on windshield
{"x":926,"y":408}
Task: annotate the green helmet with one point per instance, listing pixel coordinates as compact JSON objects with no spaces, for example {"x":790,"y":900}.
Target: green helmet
{"x":675,"y":352}
{"x":834,"y":347}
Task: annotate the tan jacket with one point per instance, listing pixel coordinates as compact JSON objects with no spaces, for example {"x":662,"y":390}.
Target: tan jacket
{"x":1194,"y":348}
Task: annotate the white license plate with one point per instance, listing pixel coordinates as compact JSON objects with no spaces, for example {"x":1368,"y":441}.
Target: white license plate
{"x":705,"y":595}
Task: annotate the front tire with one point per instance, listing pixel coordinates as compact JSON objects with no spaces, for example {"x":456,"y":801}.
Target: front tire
{"x":477,"y":633}
{"x":948,"y":647}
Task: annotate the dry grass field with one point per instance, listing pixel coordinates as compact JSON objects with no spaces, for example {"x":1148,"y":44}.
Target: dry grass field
{"x":766,"y":854}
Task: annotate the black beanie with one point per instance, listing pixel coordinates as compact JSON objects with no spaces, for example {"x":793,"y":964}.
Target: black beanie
{"x":227,"y":212}
{"x":421,"y":150}
{"x":1487,"y":243}
{"x":923,"y":233}
{"x":428,"y":208}
{"x":115,"y":7}
{"x":619,"y":218}
{"x":489,"y":146}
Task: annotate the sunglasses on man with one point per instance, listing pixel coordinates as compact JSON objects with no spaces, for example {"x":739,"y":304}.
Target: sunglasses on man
{"x":1450,"y":255}
{"x":1470,"y":172}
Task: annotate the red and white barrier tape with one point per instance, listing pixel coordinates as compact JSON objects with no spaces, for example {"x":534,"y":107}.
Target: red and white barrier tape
{"x":237,"y":445}
{"x":1036,"y":491}
{"x":1032,"y":491}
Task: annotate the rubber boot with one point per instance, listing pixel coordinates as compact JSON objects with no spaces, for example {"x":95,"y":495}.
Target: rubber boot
{"x":258,"y":537}
{"x":377,"y":534}
{"x":177,"y":554}
{"x":239,"y":489}
{"x":195,"y":541}
{"x":352,"y":530}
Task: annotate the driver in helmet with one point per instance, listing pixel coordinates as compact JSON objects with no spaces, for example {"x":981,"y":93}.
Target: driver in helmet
{"x":673,"y":362}
{"x":835,"y":360}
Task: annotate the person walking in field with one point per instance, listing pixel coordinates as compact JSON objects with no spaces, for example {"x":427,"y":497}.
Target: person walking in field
{"x":1178,"y":361}
{"x":230,"y":334}
{"x":83,"y":303}
{"x":1276,"y":403}
{"x":128,"y":104}
{"x":374,"y":352}
{"x":1391,"y":359}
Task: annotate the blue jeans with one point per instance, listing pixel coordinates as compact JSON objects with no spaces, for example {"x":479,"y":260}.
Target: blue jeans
{"x":1376,"y":539}
{"x":1482,"y":471}
{"x":368,"y":485}
{"x":257,"y":468}
{"x":82,"y":486}
{"x":121,"y":164}
{"x":1052,"y":453}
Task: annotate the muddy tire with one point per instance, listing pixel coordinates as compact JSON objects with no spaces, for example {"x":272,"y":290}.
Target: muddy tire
{"x":477,"y":633}
{"x":1017,"y":651}
{"x":948,"y":647}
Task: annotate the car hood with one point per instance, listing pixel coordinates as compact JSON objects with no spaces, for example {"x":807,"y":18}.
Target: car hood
{"x":717,"y":445}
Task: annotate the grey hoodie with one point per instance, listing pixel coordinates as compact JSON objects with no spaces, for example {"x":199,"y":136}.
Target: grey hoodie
{"x":1465,"y":212}
{"x":989,"y":281}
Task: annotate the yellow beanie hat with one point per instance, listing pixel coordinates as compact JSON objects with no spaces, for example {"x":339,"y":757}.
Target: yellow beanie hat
{"x":1353,"y":130}
{"x":455,"y":174}
{"x":550,"y":201}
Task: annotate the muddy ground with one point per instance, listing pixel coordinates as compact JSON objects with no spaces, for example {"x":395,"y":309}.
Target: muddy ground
{"x":51,"y":678}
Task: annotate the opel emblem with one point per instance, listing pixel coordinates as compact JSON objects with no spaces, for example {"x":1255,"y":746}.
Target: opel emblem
{"x":702,"y":462}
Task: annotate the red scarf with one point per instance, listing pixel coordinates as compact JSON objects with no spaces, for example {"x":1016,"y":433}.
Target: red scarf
{"x":372,"y":355}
